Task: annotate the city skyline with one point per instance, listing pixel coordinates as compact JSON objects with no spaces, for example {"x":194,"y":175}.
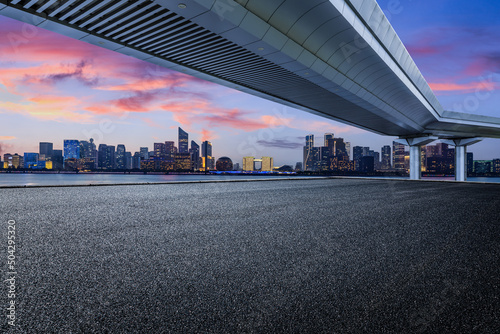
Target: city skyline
{"x":54,"y":87}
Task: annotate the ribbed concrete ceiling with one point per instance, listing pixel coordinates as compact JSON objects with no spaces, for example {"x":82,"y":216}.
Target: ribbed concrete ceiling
{"x":339,"y":59}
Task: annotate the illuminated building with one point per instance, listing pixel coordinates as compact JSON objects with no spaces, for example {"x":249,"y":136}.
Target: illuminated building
{"x":160,"y":150}
{"x":248,"y":164}
{"x":398,"y":156}
{"x":207,"y":158}
{"x":170,"y":149}
{"x":46,"y":150}
{"x":30,"y":159}
{"x":309,"y":155}
{"x":496,"y":166}
{"x":120,"y":156}
{"x":386,"y":157}
{"x":182,"y":162}
{"x":224,"y":164}
{"x":17,"y":161}
{"x":194,"y":151}
{"x":267,"y":164}
{"x":144,"y":153}
{"x":183,"y":141}
{"x":71,"y":149}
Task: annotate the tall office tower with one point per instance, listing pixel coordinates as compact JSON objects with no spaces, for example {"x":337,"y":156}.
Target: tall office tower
{"x":267,"y":164}
{"x":183,"y":141}
{"x":71,"y":149}
{"x":194,"y":151}
{"x":348,"y":149}
{"x":57,"y":159}
{"x":101,"y":154}
{"x":88,"y":153}
{"x":7,"y":160}
{"x":357,"y":154}
{"x":136,"y":161}
{"x":398,"y":156}
{"x":248,"y":165}
{"x":128,"y":160}
{"x":366,"y":151}
{"x":206,"y":153}
{"x":170,"y":149}
{"x":327,"y":137}
{"x":308,"y":153}
{"x":120,"y":157}
{"x":45,"y":151}
{"x":144,"y":153}
{"x":470,"y":162}
{"x":386,"y":157}
{"x":376,"y":160}
{"x":160,"y":150}
{"x":110,"y":157}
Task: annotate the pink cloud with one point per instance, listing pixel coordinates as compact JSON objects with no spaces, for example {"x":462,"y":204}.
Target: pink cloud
{"x":463,"y":88}
{"x":7,"y":137}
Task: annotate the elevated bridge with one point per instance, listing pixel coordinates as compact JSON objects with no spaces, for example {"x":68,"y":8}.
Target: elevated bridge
{"x":340,"y":59}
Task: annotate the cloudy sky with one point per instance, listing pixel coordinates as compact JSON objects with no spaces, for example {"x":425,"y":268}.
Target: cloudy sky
{"x":53,"y":88}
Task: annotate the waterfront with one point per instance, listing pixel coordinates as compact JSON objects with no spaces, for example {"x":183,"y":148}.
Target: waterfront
{"x":59,"y":179}
{"x":337,"y":255}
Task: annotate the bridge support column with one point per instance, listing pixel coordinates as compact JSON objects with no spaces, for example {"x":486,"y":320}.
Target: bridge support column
{"x":461,"y":155}
{"x":415,"y":144}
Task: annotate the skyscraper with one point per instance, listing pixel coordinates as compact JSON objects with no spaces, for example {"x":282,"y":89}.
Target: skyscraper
{"x":160,"y":150}
{"x":183,"y":141}
{"x":206,"y":152}
{"x":71,"y":149}
{"x":120,"y":157}
{"x":309,"y":156}
{"x":327,"y":137}
{"x":195,"y":155}
{"x":144,"y":153}
{"x":170,"y":149}
{"x":248,"y":165}
{"x":398,"y":156}
{"x":386,"y":157}
{"x":46,"y":150}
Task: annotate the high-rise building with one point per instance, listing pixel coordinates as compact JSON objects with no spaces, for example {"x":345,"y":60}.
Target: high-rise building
{"x":248,"y":165}
{"x":348,"y":149}
{"x":57,"y":159}
{"x":183,"y":141}
{"x":470,"y":162}
{"x":357,"y":154}
{"x":144,"y":151}
{"x":106,"y":156}
{"x":309,"y":157}
{"x":195,"y":155}
{"x":367,"y":164}
{"x":160,"y":150}
{"x":182,"y":162}
{"x":267,"y":164}
{"x":328,"y":136}
{"x":128,"y":160}
{"x":170,"y":149}
{"x":386,"y":157}
{"x":71,"y":149}
{"x":398,"y":156}
{"x":206,"y":154}
{"x":136,"y":161}
{"x":120,"y":157}
{"x":45,"y":151}
{"x":88,"y":153}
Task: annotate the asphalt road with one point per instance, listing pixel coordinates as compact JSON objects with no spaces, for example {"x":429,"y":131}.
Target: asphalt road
{"x":314,"y":256}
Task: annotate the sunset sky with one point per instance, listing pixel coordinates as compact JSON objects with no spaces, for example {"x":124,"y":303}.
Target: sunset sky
{"x":53,"y":88}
